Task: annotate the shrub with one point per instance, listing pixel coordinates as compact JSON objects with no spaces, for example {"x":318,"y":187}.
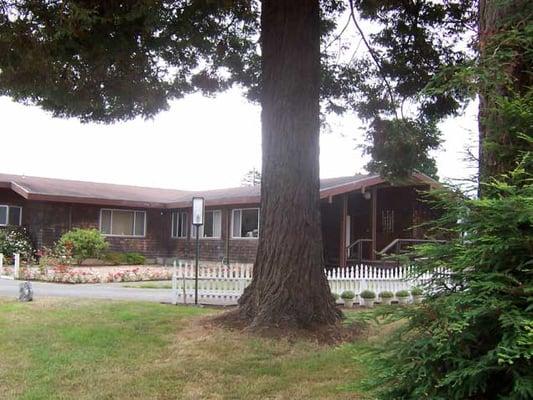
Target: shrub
{"x":368,"y":294}
{"x":134,"y":258}
{"x":417,"y":292}
{"x":335,"y":296}
{"x":472,"y":339}
{"x":348,"y":295}
{"x":116,"y":258}
{"x":82,"y":244}
{"x":15,"y":239}
{"x":386,"y":295}
{"x":402,"y":293}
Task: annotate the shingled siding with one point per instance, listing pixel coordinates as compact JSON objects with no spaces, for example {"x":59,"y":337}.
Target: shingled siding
{"x":47,"y":221}
{"x":225,"y":248}
{"x":153,"y":244}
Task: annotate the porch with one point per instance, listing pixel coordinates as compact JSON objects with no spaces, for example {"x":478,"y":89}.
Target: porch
{"x":363,"y":225}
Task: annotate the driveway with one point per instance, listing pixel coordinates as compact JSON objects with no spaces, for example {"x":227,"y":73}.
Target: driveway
{"x":112,"y":291}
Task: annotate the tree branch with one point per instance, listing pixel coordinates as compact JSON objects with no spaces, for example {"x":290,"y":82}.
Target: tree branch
{"x":374,"y":58}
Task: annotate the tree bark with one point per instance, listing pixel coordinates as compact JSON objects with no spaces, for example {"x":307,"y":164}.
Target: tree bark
{"x":289,"y":287}
{"x":498,"y":148}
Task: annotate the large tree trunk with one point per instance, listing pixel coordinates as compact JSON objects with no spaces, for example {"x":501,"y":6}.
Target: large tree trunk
{"x":499,"y":148}
{"x":289,"y":287}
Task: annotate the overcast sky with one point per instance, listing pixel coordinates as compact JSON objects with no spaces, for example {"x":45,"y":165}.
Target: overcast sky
{"x":200,"y":143}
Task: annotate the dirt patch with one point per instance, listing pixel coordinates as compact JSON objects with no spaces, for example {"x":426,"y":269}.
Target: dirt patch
{"x":328,"y":334}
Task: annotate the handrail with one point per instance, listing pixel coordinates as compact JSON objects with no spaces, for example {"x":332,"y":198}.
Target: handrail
{"x":357,"y":242}
{"x":397,"y":241}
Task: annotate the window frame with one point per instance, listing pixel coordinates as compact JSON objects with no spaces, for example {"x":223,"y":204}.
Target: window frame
{"x":186,"y":225}
{"x":201,"y":227}
{"x":233,"y":220}
{"x":111,"y":223}
{"x":8,"y":207}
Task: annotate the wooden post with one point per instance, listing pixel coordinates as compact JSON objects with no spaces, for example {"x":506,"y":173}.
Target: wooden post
{"x":374,"y":222}
{"x":342,"y":244}
{"x":174,"y":284}
{"x":17,"y":266}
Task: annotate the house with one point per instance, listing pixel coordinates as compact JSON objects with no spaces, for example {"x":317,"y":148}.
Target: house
{"x":361,"y":216}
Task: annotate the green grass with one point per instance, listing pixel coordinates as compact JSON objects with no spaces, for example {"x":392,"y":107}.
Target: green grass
{"x":54,"y":349}
{"x":149,"y":285}
{"x":220,"y":285}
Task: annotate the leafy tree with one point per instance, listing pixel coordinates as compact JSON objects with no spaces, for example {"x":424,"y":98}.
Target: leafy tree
{"x":251,"y":178}
{"x":426,"y":63}
{"x":109,"y":61}
{"x":472,"y":337}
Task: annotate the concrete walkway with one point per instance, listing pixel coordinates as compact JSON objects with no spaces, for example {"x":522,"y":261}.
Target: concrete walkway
{"x":112,"y":291}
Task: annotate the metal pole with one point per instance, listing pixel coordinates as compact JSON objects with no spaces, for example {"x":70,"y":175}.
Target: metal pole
{"x":196,"y":266}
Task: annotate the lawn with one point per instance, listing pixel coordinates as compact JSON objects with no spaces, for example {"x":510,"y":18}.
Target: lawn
{"x":58,"y":349}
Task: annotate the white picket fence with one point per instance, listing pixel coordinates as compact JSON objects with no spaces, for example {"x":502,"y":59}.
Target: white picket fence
{"x":224,"y":285}
{"x":10,"y":271}
{"x":220,"y":285}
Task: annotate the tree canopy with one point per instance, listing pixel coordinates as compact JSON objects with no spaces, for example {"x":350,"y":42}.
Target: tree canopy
{"x":109,"y":61}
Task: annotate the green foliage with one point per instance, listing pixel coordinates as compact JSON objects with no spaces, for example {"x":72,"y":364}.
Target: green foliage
{"x":82,"y":244}
{"x":15,"y":239}
{"x":414,"y":43}
{"x":386,"y":295}
{"x":402,"y":293}
{"x":116,"y":258}
{"x":115,"y":60}
{"x":473,"y":336}
{"x":400,"y":146}
{"x":417,"y":291}
{"x":367,"y":294}
{"x":348,"y":295}
{"x":335,"y":296}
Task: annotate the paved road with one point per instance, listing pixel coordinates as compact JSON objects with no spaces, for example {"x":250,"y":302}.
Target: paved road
{"x":115,"y":291}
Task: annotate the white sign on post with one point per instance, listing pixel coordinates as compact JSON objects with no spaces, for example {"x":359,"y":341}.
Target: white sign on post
{"x":197,"y":210}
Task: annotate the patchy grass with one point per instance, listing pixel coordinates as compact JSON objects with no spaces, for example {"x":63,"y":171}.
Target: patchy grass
{"x":54,"y":349}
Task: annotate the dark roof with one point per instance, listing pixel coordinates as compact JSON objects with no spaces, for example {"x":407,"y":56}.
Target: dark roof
{"x":48,"y":189}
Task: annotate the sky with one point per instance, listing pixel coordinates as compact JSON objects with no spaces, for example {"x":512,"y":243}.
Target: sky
{"x":199,"y":143}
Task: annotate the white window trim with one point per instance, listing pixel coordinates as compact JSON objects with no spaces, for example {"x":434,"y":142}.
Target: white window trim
{"x":126,"y":236}
{"x":172,"y":233}
{"x":233,"y":219}
{"x":202,"y":237}
{"x":7,"y":214}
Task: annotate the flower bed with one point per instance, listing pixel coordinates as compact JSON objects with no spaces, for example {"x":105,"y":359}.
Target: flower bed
{"x":67,"y":274}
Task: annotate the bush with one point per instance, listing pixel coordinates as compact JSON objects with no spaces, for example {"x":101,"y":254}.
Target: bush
{"x":402,"y":293}
{"x":82,"y":244}
{"x":386,"y":295}
{"x":368,"y":294}
{"x":348,"y":295}
{"x":335,"y":296}
{"x":473,"y":337}
{"x":15,"y":239}
{"x":417,"y":292}
{"x":116,"y":258}
{"x":134,"y":258}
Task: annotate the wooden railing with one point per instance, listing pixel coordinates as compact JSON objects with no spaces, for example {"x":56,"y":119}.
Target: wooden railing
{"x":358,"y":247}
{"x":396,"y":244}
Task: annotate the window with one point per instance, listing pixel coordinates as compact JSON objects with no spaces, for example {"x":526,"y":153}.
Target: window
{"x":10,"y":215}
{"x":245,"y":223}
{"x":387,"y":221}
{"x":122,"y":222}
{"x":212,"y":227}
{"x":179,"y":224}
